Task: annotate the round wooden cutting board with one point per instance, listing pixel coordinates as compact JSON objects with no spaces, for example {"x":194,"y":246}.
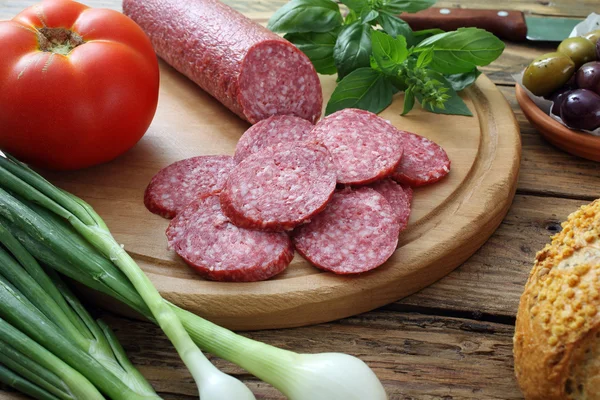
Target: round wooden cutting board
{"x":449,"y":222}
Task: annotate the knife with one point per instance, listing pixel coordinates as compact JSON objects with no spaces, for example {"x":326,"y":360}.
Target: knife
{"x":506,"y":24}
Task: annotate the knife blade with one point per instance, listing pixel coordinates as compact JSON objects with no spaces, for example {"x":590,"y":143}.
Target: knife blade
{"x":506,"y":24}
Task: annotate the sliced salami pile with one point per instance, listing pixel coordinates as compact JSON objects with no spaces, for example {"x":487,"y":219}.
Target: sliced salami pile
{"x":239,"y":219}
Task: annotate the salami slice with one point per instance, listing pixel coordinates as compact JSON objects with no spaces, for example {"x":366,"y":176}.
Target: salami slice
{"x":398,"y":198}
{"x":279,"y":187}
{"x":364,"y":147}
{"x":271,"y":131}
{"x":177,"y":185}
{"x":248,"y":68}
{"x":423,"y":162}
{"x":356,"y":233}
{"x":218,"y":250}
{"x":409,"y":193}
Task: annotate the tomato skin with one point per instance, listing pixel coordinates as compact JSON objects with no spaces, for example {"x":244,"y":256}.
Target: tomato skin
{"x":73,"y":111}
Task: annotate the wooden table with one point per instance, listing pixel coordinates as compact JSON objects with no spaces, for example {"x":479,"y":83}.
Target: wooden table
{"x":452,"y":340}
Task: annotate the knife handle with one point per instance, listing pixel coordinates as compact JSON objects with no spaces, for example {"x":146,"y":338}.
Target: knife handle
{"x":505,"y":24}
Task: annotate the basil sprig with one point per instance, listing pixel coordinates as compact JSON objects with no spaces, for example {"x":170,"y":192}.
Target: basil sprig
{"x":376,"y":54}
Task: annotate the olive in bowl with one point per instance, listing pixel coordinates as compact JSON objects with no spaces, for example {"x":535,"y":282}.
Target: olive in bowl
{"x":558,"y":97}
{"x":579,"y":49}
{"x":588,"y":76}
{"x":593,"y":36}
{"x":547,"y":73}
{"x":581,"y":110}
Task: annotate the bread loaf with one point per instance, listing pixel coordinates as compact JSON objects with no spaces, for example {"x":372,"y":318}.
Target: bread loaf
{"x":557,"y":334}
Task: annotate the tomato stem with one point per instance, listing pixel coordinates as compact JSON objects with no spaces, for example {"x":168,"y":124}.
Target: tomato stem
{"x":58,"y":40}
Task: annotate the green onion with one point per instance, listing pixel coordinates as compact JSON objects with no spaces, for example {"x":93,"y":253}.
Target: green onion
{"x":58,"y":378}
{"x":44,"y":309}
{"x":92,"y":229}
{"x":35,"y":212}
{"x":23,"y":385}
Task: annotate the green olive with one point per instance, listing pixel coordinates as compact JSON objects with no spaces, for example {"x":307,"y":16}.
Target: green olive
{"x":593,"y":36}
{"x":547,"y":73}
{"x":580,"y":49}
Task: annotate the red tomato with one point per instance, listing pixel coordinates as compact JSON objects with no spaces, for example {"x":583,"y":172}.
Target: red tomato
{"x":78,"y":85}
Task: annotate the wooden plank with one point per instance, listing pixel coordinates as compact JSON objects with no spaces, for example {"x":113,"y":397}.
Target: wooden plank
{"x":415,"y":356}
{"x":492,"y":280}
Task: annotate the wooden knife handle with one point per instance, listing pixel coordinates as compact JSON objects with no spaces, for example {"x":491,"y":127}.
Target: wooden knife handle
{"x":502,"y":23}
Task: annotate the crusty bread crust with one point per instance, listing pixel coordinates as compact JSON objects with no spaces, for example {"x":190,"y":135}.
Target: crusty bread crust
{"x":556,"y":341}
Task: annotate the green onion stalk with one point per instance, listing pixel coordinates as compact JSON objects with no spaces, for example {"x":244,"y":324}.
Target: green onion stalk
{"x":32,"y":369}
{"x":66,"y":234}
{"x":42,"y":307}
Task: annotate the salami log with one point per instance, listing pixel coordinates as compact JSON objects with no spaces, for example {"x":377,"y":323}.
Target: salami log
{"x":219,"y":250}
{"x":364,"y":147}
{"x":271,"y":131}
{"x":398,"y":197}
{"x":355,"y":233}
{"x":248,"y":68}
{"x":178,"y":184}
{"x":279,"y":187}
{"x":423,"y":162}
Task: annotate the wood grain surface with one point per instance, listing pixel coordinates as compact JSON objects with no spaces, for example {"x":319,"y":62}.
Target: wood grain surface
{"x":452,"y":340}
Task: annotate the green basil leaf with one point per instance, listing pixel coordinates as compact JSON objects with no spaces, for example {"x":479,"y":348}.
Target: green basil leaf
{"x":461,"y":81}
{"x":462,"y":50}
{"x":306,"y":16}
{"x":373,"y":64}
{"x":454,"y":105}
{"x":410,"y":6}
{"x":318,"y":47}
{"x":388,"y":52}
{"x":395,"y":27}
{"x":350,"y":18}
{"x":356,"y":5}
{"x":424,"y":34}
{"x":399,"y":83}
{"x":425,"y":58}
{"x":409,"y":101}
{"x":352,"y":49}
{"x":363,"y":88}
{"x":367,"y":15}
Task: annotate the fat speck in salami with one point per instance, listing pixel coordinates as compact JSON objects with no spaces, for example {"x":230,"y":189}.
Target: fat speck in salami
{"x":423,"y":162}
{"x":248,"y":68}
{"x":364,"y":147}
{"x":203,"y":236}
{"x":398,"y":197}
{"x":357,"y":232}
{"x":279,"y":187}
{"x":271,"y":131}
{"x":176,"y":185}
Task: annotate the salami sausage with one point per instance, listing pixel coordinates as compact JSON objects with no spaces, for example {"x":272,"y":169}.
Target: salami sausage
{"x":398,"y":197}
{"x":219,"y":250}
{"x":178,"y":184}
{"x":271,"y":131}
{"x":364,"y":147}
{"x":423,"y":162}
{"x":355,"y":233}
{"x":279,"y":187}
{"x":248,"y":68}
